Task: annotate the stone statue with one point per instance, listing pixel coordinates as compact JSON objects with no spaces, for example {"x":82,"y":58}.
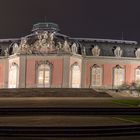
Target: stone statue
{"x":96,"y":51}
{"x":118,"y":52}
{"x":74,"y":48}
{"x":137,"y":53}
{"x":24,"y":47}
{"x":15,"y":48}
{"x":66,"y":46}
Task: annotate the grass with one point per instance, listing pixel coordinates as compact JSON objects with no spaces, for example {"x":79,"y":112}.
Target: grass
{"x":134,"y":119}
{"x":135,"y":103}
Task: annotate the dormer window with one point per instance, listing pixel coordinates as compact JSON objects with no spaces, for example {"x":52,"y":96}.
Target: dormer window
{"x":0,"y":50}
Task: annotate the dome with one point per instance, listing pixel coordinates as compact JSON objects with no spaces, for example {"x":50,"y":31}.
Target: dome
{"x":46,"y":26}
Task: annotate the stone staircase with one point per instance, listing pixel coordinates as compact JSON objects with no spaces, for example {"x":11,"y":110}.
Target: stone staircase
{"x":51,"y":92}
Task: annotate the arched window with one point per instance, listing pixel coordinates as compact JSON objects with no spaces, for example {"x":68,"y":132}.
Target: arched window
{"x":119,"y":76}
{"x":96,"y":76}
{"x":75,"y":76}
{"x":13,"y":76}
{"x":137,"y":75}
{"x":44,"y":75}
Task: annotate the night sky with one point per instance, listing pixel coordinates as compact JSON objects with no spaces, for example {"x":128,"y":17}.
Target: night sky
{"x":76,"y":18}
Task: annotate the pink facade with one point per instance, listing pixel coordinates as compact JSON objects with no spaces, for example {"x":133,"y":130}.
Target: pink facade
{"x":59,"y":68}
{"x":47,"y":58}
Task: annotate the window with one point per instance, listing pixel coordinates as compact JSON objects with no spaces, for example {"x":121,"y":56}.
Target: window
{"x":13,"y":76}
{"x":119,"y":76}
{"x":76,"y":76}
{"x":137,"y":75}
{"x":96,"y":76}
{"x":43,"y":76}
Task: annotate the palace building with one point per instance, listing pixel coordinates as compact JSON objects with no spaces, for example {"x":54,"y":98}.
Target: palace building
{"x":47,"y":58}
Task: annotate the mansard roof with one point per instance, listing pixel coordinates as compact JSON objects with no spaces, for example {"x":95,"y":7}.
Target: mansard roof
{"x":84,"y":45}
{"x":107,"y":41}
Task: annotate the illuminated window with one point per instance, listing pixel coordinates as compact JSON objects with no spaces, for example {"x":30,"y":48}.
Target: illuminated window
{"x":44,"y":73}
{"x":76,"y":76}
{"x":13,"y":76}
{"x":119,"y":76}
{"x":96,"y":76}
{"x":137,"y":75}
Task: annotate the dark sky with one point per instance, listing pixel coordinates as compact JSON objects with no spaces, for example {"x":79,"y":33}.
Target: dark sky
{"x":76,"y":18}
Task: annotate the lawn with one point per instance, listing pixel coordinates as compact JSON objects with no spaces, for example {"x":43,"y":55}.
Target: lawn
{"x":134,"y":119}
{"x":135,"y":103}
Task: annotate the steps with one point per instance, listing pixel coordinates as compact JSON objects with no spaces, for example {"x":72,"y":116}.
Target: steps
{"x":51,"y":92}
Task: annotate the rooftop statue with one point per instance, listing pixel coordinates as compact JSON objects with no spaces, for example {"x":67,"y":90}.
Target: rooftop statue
{"x":66,"y":46}
{"x":74,"y":48}
{"x":96,"y":51}
{"x":137,"y":53}
{"x":118,"y":52}
{"x":24,"y":47}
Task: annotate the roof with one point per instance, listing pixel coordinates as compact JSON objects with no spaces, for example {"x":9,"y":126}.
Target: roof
{"x":106,"y":40}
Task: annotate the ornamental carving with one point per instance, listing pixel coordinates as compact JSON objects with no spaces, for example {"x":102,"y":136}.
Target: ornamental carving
{"x":44,"y":62}
{"x":96,"y":51}
{"x":24,"y":47}
{"x":74,"y":48}
{"x":118,"y":52}
{"x":137,"y":53}
{"x":45,"y":42}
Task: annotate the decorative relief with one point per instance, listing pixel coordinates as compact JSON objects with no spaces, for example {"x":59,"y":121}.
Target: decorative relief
{"x":96,"y":51}
{"x":24,"y":47}
{"x":43,"y":45}
{"x":43,"y":62}
{"x":137,"y":53}
{"x":45,"y":42}
{"x":118,"y":52}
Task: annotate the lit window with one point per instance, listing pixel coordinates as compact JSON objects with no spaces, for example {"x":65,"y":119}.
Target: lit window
{"x":119,"y":76}
{"x":137,"y":75}
{"x":76,"y":76}
{"x":13,"y":76}
{"x":96,"y":76}
{"x":44,"y":75}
